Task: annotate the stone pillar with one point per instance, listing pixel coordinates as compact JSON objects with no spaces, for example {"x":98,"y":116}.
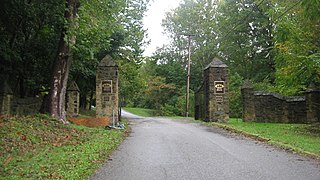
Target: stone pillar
{"x":216,"y":91}
{"x":107,"y":99}
{"x":73,"y":100}
{"x":6,"y":97}
{"x":248,"y":106}
{"x":313,"y":104}
{"x":196,"y":106}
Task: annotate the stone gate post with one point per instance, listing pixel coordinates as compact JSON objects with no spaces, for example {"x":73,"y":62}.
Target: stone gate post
{"x":216,"y":91}
{"x":313,"y":104}
{"x":248,"y":107}
{"x":107,"y":98}
{"x":73,"y":99}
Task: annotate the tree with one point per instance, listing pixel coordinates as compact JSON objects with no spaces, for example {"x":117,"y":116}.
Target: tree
{"x":28,"y":42}
{"x":297,"y":45}
{"x":103,"y":27}
{"x":62,"y":64}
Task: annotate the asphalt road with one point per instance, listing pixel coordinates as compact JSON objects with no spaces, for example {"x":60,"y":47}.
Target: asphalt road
{"x":161,"y":148}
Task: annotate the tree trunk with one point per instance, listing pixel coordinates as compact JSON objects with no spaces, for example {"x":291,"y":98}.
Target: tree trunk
{"x":91,"y":100}
{"x":83,"y":100}
{"x":61,"y":67}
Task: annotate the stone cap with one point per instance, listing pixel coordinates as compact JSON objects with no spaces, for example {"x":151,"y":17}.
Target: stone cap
{"x":216,"y":63}
{"x":73,"y":87}
{"x":312,"y":88}
{"x":5,"y":88}
{"x":107,"y":61}
{"x":247,"y":84}
{"x":278,"y":96}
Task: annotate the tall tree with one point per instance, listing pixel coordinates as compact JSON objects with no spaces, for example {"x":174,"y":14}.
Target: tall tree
{"x":29,"y":34}
{"x":297,"y":45}
{"x":62,"y":63}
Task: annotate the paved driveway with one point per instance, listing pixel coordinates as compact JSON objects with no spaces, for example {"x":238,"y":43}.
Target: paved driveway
{"x":161,"y":148}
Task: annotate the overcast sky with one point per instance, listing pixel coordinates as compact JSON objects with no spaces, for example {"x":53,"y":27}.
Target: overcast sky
{"x":152,"y":21}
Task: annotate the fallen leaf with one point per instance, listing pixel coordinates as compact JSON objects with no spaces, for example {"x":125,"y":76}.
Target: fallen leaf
{"x":23,"y":137}
{"x":7,"y":160}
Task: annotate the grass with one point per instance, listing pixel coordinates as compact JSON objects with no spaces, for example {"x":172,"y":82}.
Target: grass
{"x":301,"y":138}
{"x":87,"y":113}
{"x":141,"y":111}
{"x":38,"y":147}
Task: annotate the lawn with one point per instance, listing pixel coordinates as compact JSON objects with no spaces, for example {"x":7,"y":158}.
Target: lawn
{"x":38,"y":147}
{"x":141,"y":111}
{"x":302,"y":138}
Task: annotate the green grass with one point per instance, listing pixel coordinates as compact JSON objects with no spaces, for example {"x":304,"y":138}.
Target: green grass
{"x":302,"y":138}
{"x":39,"y":147}
{"x":141,"y":111}
{"x":87,"y":113}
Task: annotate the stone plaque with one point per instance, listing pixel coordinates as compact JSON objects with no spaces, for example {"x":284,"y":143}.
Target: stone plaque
{"x":219,"y":98}
{"x":107,"y":86}
{"x":219,"y":87}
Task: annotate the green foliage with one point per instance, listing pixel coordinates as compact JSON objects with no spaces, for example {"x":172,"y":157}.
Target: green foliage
{"x":41,"y":148}
{"x":297,"y":47}
{"x":158,"y":92}
{"x":164,"y":89}
{"x":167,"y":110}
{"x":30,"y":32}
{"x":245,"y":38}
{"x":236,"y":81}
{"x":216,"y":31}
{"x":273,"y":43}
{"x":114,"y":28}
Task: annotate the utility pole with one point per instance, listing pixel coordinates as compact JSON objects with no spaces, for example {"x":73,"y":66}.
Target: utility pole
{"x":188,"y":73}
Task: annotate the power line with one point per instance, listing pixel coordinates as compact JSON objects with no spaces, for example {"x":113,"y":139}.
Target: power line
{"x":289,"y":9}
{"x":241,"y":21}
{"x":284,"y":13}
{"x":276,"y":19}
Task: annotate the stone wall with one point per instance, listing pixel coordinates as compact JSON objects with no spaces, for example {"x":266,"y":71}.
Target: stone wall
{"x":261,"y":106}
{"x":212,"y":98}
{"x":26,"y":106}
{"x":11,"y":105}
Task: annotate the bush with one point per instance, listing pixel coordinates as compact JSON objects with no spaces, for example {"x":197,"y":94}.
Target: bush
{"x":168,"y":110}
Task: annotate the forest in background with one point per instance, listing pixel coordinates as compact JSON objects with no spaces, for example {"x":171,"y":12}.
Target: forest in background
{"x":275,"y":44}
{"x":36,"y":34}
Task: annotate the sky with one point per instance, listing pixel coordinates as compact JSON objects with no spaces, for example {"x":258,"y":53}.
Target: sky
{"x":152,"y":22}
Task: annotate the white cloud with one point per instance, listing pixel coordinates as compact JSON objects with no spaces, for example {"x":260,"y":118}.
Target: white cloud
{"x":152,"y":21}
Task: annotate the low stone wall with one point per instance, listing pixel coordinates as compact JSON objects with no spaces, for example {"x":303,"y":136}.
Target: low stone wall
{"x":261,"y":106}
{"x":272,"y":107}
{"x":26,"y":106}
{"x":11,"y":105}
